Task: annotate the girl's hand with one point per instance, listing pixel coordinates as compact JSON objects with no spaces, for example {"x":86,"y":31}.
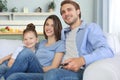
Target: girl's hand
{"x":10,"y":62}
{"x":1,"y":61}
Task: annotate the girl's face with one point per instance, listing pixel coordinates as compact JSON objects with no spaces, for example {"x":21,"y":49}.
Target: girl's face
{"x":30,"y":40}
{"x":49,"y":28}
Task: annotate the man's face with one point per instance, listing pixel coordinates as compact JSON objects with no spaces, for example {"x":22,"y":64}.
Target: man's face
{"x":69,"y":14}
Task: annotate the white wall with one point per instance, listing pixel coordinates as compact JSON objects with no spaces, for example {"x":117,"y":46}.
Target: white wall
{"x":87,"y":7}
{"x":114,"y":17}
{"x":87,"y":10}
{"x":30,"y":4}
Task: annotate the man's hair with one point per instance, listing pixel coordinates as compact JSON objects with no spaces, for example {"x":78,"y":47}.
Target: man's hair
{"x":75,"y":4}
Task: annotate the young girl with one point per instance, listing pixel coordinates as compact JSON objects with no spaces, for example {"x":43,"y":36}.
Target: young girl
{"x":47,"y":57}
{"x":30,"y":38}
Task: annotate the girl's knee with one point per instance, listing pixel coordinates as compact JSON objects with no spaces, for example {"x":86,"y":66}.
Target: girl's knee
{"x":25,"y":53}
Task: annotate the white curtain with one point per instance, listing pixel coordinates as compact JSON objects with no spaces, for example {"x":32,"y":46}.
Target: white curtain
{"x":114,"y":17}
{"x":102,"y":14}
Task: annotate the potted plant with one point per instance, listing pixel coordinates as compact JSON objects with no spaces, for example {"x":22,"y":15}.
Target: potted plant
{"x":3,"y":5}
{"x":51,"y":6}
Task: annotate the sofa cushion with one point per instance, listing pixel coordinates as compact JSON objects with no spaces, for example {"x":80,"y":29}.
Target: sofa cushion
{"x":106,"y":69}
{"x":8,"y":46}
{"x":114,"y":42}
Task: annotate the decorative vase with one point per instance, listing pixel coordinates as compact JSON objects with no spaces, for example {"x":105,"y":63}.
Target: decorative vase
{"x":0,"y":9}
{"x":51,"y":10}
{"x":14,"y":9}
{"x":38,"y":9}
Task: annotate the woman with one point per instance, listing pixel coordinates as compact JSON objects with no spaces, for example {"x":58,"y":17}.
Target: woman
{"x":48,"y":56}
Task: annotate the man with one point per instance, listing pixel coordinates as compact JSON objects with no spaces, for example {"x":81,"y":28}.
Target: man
{"x":85,"y":44}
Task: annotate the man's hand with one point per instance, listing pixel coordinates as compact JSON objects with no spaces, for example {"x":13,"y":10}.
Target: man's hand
{"x":74,"y":64}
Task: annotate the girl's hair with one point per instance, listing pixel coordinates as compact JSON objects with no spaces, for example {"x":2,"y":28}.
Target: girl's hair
{"x":30,"y":28}
{"x":76,"y":5}
{"x":57,"y":27}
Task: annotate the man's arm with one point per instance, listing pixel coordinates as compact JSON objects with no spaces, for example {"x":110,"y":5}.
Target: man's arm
{"x":99,"y":45}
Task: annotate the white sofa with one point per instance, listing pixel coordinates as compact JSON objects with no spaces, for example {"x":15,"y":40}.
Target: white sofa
{"x":107,"y":69}
{"x":8,"y":46}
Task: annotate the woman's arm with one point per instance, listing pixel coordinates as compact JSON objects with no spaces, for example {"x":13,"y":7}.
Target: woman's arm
{"x":5,"y":58}
{"x":56,"y":62}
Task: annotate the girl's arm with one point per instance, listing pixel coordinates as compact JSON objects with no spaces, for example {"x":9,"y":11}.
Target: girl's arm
{"x":5,"y":58}
{"x":10,"y":62}
{"x":56,"y":62}
{"x":14,"y":55}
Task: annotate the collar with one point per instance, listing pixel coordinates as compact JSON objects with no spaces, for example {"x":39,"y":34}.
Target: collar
{"x":82,"y":26}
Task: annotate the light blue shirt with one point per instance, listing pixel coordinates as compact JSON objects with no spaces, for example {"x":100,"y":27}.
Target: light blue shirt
{"x":90,"y":42}
{"x":45,"y":54}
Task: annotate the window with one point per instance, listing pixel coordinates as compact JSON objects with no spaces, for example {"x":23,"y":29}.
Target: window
{"x":114,"y":16}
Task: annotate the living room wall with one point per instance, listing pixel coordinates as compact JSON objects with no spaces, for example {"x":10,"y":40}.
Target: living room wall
{"x":87,"y":9}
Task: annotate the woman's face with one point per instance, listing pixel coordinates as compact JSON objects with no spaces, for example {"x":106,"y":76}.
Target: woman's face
{"x":49,"y":28}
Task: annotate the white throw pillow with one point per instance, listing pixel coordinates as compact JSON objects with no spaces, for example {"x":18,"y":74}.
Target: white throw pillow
{"x":114,"y":42}
{"x":8,"y":46}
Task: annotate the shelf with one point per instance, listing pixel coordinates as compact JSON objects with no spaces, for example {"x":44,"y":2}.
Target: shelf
{"x":21,"y":22}
{"x":32,"y":14}
{"x":43,"y":14}
{"x":12,"y":15}
{"x":21,"y":25}
{"x":6,"y":14}
{"x":8,"y":33}
{"x":15,"y":33}
{"x":25,"y":14}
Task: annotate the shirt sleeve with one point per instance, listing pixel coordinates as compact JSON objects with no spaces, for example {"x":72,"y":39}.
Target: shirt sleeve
{"x":99,"y":44}
{"x":61,"y":47}
{"x":17,"y":51}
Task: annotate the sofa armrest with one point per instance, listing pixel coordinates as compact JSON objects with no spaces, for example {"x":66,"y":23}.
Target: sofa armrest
{"x":106,"y":69}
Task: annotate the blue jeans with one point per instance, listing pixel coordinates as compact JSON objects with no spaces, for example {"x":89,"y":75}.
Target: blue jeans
{"x":62,"y":74}
{"x":26,"y":62}
{"x":26,"y":76}
{"x":3,"y":68}
{"x":54,"y":74}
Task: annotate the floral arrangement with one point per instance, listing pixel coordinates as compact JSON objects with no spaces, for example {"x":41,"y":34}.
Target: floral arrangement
{"x":51,"y":5}
{"x":3,"y":5}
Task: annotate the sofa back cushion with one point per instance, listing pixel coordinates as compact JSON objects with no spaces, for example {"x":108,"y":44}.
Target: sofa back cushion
{"x":8,"y":46}
{"x":114,"y":42}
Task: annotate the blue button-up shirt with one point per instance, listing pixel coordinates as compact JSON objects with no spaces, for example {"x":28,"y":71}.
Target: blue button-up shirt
{"x":91,"y":42}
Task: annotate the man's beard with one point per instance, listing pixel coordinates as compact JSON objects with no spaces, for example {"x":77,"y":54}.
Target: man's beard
{"x":72,"y":22}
